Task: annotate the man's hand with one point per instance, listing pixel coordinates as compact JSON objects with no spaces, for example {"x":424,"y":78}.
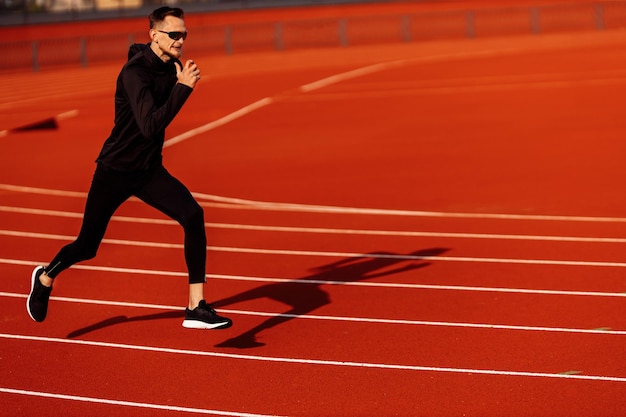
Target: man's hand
{"x":189,"y":74}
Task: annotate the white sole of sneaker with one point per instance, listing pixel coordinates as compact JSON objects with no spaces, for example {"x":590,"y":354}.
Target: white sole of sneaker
{"x":32,"y":287}
{"x":197,"y":324}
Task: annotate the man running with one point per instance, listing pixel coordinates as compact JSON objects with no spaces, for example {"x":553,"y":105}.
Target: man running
{"x":151,"y":89}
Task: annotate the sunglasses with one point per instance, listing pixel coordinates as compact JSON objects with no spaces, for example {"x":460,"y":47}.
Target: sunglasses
{"x":176,"y":36}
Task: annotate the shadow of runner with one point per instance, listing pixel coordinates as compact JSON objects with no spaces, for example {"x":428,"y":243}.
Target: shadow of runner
{"x":303,"y":299}
{"x":125,"y":319}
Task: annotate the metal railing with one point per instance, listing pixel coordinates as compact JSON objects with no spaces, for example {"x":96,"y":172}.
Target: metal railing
{"x":330,"y":32}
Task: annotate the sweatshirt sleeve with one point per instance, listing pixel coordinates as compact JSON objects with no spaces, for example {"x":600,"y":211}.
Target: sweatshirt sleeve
{"x":151,"y":118}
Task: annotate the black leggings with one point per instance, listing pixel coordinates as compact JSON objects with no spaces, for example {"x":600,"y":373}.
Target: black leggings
{"x":109,"y":189}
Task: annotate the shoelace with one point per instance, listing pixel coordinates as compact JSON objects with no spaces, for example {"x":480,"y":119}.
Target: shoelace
{"x":206,"y":310}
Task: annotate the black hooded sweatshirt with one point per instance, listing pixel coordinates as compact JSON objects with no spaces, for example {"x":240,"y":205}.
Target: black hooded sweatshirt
{"x":147,"y":98}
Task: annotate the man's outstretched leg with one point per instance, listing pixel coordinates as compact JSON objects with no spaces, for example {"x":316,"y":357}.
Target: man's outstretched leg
{"x":106,"y":194}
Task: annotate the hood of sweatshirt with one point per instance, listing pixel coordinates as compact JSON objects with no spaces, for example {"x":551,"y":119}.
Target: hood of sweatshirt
{"x":135,"y":49}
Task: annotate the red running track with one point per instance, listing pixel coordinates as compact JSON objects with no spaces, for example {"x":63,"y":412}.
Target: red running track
{"x":415,"y":230}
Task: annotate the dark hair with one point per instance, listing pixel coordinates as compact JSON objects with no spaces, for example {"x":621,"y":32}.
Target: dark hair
{"x":159,"y":14}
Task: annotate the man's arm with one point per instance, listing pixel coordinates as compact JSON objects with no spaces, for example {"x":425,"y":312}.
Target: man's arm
{"x":149,"y":118}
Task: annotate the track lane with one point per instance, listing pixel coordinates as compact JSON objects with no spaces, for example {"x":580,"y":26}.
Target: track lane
{"x":426,"y":305}
{"x":424,"y":387}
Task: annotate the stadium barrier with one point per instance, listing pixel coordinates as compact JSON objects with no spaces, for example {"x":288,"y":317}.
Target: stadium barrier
{"x":328,"y":32}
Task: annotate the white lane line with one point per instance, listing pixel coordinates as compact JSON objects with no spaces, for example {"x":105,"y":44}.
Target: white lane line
{"x":403,"y":322}
{"x":383,"y":66}
{"x":294,"y":207}
{"x":269,"y":100}
{"x":161,"y":272}
{"x":435,"y":258}
{"x":359,"y":72}
{"x":303,"y":361}
{"x":67,"y":115}
{"x":337,"y":78}
{"x":313,"y":208}
{"x":291,"y":252}
{"x":124,"y":242}
{"x":316,"y":85}
{"x":219,"y":122}
{"x":127,"y":403}
{"x":306,"y":281}
{"x":405,"y":233}
{"x":77,"y":215}
{"x":42,"y":191}
{"x":323,"y":230}
{"x":384,"y":91}
{"x":419,"y":286}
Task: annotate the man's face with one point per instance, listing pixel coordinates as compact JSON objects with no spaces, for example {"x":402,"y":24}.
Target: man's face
{"x":166,"y":47}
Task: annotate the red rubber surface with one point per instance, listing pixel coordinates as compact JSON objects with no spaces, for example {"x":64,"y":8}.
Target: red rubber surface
{"x":526,"y":126}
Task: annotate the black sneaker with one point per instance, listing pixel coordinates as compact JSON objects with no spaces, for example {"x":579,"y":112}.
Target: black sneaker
{"x":204,"y":317}
{"x":37,"y":302}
